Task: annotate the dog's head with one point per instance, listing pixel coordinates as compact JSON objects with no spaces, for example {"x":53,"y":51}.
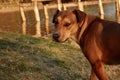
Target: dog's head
{"x":66,"y":24}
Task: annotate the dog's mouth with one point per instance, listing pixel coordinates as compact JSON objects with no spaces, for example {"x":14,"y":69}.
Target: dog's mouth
{"x":56,"y":37}
{"x":61,"y":41}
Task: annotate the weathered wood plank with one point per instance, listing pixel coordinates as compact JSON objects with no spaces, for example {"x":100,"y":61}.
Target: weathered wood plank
{"x":85,"y":3}
{"x":41,"y":0}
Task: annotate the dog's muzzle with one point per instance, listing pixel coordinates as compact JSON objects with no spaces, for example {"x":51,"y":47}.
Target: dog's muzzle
{"x":56,"y":37}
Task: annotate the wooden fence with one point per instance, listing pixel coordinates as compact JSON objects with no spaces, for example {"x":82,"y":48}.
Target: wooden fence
{"x":80,"y":4}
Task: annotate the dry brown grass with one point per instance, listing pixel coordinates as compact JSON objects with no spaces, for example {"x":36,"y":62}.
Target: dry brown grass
{"x":28,"y":58}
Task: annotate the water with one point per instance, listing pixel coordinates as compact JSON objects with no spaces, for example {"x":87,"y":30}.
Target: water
{"x":12,"y":22}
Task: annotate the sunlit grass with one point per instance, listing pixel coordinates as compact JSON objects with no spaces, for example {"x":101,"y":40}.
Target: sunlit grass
{"x":29,"y":58}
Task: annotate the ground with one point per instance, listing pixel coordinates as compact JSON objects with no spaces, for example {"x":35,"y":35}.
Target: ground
{"x":28,"y":58}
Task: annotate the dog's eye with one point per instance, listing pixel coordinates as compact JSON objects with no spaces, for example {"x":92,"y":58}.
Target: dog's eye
{"x":66,"y":24}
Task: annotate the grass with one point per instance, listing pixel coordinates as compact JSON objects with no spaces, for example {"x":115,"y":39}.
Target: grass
{"x":28,"y":58}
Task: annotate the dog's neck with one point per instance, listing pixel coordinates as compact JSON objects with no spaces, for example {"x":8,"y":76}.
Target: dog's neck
{"x":83,"y":26}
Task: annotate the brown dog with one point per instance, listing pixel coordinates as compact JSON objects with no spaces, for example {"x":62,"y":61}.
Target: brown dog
{"x":99,"y":39}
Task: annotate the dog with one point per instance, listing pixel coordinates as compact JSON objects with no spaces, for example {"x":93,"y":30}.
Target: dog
{"x":99,"y":39}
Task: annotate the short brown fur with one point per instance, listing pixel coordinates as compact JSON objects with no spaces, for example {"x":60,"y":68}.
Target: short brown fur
{"x":99,"y":39}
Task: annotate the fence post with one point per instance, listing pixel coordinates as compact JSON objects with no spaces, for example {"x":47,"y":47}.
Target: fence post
{"x":24,"y":27}
{"x":101,"y":11}
{"x":64,"y":7}
{"x":38,"y":30}
{"x":47,"y":19}
{"x":119,"y":5}
{"x":59,"y":5}
{"x":118,"y":10}
{"x":22,"y":13}
{"x":118,"y":17}
{"x":37,"y":16}
{"x":80,"y":5}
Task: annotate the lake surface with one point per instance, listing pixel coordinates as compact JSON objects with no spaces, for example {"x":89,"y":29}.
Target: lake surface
{"x":12,"y":22}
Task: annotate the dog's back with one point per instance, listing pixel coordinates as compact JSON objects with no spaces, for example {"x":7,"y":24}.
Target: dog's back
{"x":110,"y":37}
{"x":107,"y":37}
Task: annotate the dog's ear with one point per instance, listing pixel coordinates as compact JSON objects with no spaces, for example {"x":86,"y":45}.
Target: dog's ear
{"x":55,"y":16}
{"x":79,"y":15}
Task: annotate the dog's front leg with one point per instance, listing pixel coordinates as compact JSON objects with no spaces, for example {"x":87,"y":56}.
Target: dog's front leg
{"x":98,"y":69}
{"x":93,"y":75}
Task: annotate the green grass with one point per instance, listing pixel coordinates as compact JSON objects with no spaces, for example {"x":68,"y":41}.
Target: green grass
{"x":28,"y":58}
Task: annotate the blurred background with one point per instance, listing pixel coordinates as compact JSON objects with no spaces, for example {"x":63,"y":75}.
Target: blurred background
{"x":11,"y":20}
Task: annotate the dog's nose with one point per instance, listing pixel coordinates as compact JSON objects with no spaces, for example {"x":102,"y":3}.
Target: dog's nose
{"x":56,"y":36}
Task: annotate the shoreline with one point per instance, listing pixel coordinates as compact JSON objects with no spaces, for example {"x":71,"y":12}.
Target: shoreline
{"x":14,"y":9}
{"x":6,"y":10}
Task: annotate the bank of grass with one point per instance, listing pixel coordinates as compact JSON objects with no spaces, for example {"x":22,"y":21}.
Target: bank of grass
{"x":29,"y":58}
